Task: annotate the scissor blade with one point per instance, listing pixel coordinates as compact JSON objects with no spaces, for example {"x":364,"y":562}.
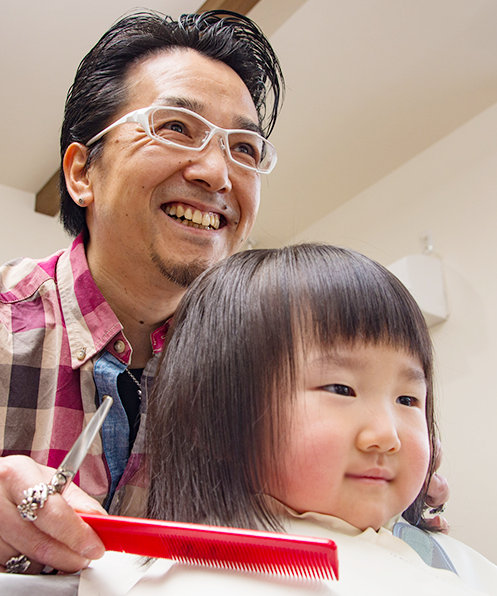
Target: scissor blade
{"x":73,"y":460}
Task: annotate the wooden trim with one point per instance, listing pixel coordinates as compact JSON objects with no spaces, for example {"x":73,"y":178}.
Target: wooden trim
{"x":48,"y":198}
{"x":240,"y":6}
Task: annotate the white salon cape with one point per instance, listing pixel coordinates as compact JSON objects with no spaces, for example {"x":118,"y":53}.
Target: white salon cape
{"x":370,"y":563}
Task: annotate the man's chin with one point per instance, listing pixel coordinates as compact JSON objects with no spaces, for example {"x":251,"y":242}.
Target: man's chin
{"x":181,"y":274}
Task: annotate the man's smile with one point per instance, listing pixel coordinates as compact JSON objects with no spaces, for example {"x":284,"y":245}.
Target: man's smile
{"x":190,"y":216}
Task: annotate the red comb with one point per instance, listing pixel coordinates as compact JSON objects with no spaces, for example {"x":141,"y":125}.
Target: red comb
{"x":212,"y":546}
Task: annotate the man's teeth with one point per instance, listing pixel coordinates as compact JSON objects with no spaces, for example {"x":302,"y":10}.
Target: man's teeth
{"x":194,"y":218}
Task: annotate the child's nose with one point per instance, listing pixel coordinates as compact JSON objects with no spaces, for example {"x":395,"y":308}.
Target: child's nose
{"x":379,"y":433}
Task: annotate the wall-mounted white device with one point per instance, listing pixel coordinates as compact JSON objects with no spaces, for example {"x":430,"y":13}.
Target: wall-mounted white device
{"x":423,"y":277}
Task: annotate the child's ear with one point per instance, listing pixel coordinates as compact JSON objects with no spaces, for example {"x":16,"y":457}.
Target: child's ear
{"x":78,"y":181}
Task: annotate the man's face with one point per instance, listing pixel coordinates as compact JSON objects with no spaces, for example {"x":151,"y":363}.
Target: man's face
{"x":138,"y":183}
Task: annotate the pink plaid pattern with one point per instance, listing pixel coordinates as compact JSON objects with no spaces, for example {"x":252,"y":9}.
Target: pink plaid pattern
{"x":54,"y":322}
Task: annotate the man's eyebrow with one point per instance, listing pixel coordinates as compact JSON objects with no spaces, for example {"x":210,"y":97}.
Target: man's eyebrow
{"x":181,"y":102}
{"x":240,"y":122}
{"x":246,"y":124}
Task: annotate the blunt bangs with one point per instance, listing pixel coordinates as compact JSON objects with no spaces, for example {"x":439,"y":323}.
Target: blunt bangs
{"x":341,"y":298}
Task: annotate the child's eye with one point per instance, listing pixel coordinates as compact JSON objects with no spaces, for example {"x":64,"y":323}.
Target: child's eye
{"x":339,"y":389}
{"x":407,"y":400}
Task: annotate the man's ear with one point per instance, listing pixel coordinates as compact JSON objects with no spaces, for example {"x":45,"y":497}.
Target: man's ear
{"x":76,"y":174}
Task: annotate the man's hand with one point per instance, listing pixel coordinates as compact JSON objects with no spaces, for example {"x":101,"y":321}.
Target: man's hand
{"x":438,"y":495}
{"x":58,"y":538}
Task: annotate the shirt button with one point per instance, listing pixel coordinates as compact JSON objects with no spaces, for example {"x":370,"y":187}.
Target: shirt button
{"x":119,"y":346}
{"x":81,"y":354}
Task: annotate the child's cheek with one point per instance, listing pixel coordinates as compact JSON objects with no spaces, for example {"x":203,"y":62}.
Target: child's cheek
{"x":418,"y":454}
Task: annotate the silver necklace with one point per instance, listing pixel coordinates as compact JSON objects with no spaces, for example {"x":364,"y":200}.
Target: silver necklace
{"x":135,"y":382}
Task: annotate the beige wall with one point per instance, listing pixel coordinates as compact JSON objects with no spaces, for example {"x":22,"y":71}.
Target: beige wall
{"x":451,"y":190}
{"x":23,"y":232}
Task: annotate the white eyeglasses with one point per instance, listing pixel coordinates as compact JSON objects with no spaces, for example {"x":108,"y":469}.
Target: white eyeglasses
{"x":184,"y":129}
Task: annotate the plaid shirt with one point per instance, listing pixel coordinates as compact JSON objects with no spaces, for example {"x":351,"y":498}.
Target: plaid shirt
{"x":61,"y":349}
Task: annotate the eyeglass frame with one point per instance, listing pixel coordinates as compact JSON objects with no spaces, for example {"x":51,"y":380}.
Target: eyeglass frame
{"x":141,"y":117}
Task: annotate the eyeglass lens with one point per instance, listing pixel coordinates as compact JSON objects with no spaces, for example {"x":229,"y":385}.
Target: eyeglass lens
{"x":186,"y":130}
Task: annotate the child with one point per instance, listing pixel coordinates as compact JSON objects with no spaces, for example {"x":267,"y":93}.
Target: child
{"x":296,"y":394}
{"x":232,"y":383}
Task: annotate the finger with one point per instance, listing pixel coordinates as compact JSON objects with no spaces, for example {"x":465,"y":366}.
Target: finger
{"x":439,"y":523}
{"x":33,"y":569}
{"x":58,"y":537}
{"x":58,"y":520}
{"x":82,"y":502}
{"x":26,"y":538}
{"x":438,"y":491}
{"x":7,"y":553}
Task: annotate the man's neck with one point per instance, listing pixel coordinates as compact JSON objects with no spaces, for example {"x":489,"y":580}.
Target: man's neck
{"x":140,"y":306}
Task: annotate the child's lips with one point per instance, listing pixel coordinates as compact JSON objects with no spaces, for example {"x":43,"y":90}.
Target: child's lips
{"x":375,"y":475}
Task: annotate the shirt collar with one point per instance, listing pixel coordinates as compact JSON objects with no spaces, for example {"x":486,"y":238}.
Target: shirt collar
{"x":91,"y":324}
{"x":327,"y":521}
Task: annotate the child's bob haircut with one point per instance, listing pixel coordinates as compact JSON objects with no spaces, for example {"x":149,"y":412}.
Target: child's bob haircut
{"x":218,"y":407}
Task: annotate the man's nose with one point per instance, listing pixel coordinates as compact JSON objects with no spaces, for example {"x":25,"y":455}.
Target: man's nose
{"x":210,"y":167}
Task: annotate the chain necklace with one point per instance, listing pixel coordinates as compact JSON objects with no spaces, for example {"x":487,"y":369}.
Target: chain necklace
{"x":135,"y":382}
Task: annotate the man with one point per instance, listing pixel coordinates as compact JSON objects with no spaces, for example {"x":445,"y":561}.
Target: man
{"x":153,"y":202}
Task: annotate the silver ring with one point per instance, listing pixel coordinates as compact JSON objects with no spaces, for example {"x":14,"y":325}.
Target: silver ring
{"x":439,"y":509}
{"x":34,"y":498}
{"x":19,"y":564}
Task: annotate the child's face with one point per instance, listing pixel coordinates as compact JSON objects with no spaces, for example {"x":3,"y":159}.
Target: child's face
{"x":358,"y":445}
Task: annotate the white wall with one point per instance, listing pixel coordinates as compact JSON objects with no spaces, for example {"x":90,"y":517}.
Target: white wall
{"x":23,"y":232}
{"x":450,"y":189}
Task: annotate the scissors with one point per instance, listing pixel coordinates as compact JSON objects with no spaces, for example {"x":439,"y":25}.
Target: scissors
{"x":35,"y":497}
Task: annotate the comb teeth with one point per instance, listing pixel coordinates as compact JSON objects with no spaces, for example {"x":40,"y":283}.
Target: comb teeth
{"x":221,"y":548}
{"x":303,"y":561}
